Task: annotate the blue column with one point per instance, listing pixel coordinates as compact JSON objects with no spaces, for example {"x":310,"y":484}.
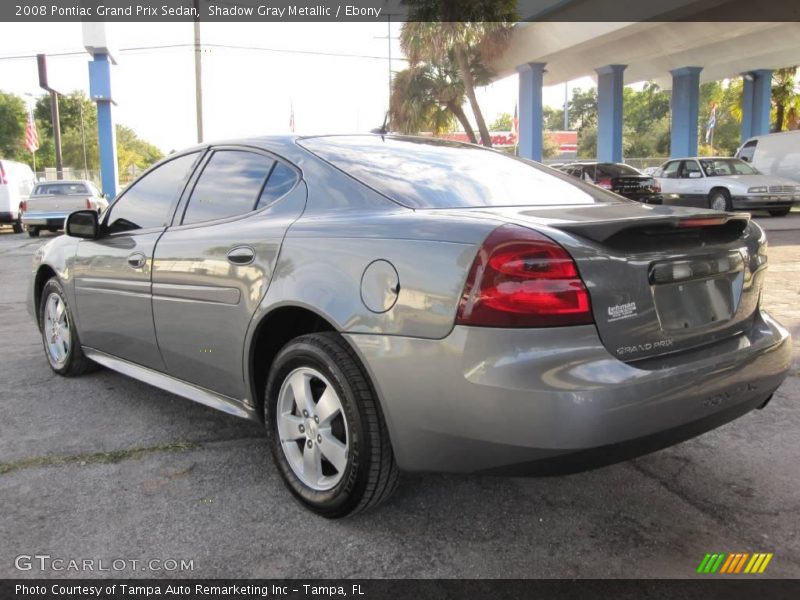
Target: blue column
{"x":609,"y":113}
{"x":685,"y":111}
{"x":100,"y":92}
{"x":747,"y":106}
{"x":530,"y":110}
{"x":762,"y":101}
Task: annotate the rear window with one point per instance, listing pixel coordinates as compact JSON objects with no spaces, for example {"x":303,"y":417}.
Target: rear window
{"x":615,"y":170}
{"x":429,"y":173}
{"x":59,"y":189}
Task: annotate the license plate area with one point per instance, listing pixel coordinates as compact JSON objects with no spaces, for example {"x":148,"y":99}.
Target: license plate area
{"x":694,"y":304}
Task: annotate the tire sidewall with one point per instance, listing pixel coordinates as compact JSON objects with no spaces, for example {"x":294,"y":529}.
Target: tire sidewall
{"x":302,"y":353}
{"x":725,"y":198}
{"x":54,"y":286}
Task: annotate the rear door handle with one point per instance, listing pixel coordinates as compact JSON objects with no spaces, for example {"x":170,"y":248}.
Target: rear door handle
{"x":241,"y":255}
{"x":137,"y":260}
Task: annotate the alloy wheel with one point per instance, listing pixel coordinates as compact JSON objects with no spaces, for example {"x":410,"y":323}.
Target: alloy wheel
{"x":313,"y":429}
{"x":56,"y":330}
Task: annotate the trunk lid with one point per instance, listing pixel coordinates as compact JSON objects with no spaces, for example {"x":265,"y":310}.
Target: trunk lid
{"x":57,"y":203}
{"x":661,"y":279}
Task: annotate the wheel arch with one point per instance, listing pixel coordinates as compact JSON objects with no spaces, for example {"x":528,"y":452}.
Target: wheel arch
{"x":271,"y":333}
{"x":43,"y":274}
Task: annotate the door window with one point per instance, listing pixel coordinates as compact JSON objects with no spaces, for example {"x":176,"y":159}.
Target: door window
{"x":690,"y":166}
{"x":748,"y":150}
{"x":230,"y":185}
{"x":281,"y":180}
{"x":670,"y":170}
{"x":147,"y":202}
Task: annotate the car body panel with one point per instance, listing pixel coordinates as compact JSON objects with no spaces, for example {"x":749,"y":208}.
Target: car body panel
{"x":454,"y":397}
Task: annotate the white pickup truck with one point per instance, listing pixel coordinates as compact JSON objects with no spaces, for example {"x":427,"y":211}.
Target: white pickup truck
{"x":51,"y":202}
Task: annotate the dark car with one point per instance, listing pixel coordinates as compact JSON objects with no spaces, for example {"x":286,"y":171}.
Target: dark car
{"x":620,"y":179}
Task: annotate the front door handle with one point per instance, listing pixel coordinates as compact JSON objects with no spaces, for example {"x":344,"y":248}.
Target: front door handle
{"x":241,"y":255}
{"x":137,"y":260}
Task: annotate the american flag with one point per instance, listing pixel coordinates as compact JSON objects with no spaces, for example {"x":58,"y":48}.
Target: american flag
{"x":31,"y":136}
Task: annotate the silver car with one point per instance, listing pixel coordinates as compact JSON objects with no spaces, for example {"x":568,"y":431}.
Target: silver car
{"x":725,"y":184}
{"x":392,"y":303}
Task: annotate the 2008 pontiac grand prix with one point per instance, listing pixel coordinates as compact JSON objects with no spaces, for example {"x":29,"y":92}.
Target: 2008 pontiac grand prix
{"x":387,"y":303}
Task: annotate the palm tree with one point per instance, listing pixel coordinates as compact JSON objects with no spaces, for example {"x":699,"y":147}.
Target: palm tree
{"x":428,"y":97}
{"x":783,"y":94}
{"x":460,"y":43}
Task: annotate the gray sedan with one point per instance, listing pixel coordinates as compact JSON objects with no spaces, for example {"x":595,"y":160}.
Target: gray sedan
{"x":391,"y":303}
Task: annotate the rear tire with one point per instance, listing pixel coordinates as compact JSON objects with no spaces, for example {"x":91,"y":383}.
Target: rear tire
{"x":62,"y":347}
{"x":17,"y":225}
{"x":780,"y":212}
{"x":33,"y":231}
{"x":720,"y":200}
{"x":351,"y":466}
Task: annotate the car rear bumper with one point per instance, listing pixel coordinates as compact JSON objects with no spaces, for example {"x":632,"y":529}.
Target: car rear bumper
{"x":646,"y":198}
{"x":533,"y":401}
{"x":44,"y":219}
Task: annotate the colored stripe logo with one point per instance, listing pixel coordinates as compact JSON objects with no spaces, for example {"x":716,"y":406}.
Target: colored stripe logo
{"x":734,"y":563}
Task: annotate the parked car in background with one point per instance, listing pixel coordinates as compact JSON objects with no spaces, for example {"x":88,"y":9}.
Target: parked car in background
{"x":651,"y":171}
{"x":618,"y":178}
{"x":776,"y":154}
{"x":386,"y":303}
{"x":51,"y":202}
{"x":725,"y":184}
{"x":16,"y":182}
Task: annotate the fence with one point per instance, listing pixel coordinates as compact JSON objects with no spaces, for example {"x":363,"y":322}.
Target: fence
{"x":50,"y":174}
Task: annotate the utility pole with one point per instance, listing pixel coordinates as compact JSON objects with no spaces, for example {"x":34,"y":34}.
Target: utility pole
{"x":41,"y":61}
{"x":566,"y":106}
{"x":83,"y":143}
{"x":198,"y":74}
{"x":389,"y":39}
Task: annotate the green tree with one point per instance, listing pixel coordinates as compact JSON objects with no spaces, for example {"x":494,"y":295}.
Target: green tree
{"x":553,"y":118}
{"x":784,"y":95}
{"x":133,"y":153}
{"x":503,"y":122}
{"x":583,"y":108}
{"x":13,"y":119}
{"x":461,"y":33}
{"x":428,"y":98}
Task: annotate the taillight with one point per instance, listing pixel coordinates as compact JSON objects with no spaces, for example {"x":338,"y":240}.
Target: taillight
{"x":89,"y":203}
{"x":24,"y":206}
{"x":521,"y":278}
{"x":656,"y":186}
{"x":3,"y":180}
{"x":604,"y":183}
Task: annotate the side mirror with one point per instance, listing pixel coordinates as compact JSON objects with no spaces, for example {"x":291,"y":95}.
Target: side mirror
{"x":83,"y":224}
{"x":695,"y":175}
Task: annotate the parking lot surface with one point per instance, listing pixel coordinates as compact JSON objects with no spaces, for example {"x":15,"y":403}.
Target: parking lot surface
{"x":105,"y":467}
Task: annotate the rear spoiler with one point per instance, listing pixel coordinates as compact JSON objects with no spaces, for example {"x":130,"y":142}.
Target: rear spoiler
{"x":600,"y":231}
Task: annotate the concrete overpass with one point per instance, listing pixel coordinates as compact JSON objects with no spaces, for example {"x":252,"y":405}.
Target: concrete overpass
{"x":676,"y":55}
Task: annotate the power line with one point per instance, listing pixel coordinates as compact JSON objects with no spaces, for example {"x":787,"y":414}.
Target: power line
{"x":135,"y":49}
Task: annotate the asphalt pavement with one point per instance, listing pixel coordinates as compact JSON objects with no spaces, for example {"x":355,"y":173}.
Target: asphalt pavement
{"x":106,"y":468}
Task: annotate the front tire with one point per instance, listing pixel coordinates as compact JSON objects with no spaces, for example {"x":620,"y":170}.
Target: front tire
{"x":720,"y":200}
{"x":326,"y":429}
{"x":59,"y":335}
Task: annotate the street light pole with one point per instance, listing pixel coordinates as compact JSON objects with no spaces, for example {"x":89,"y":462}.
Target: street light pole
{"x":198,"y":74}
{"x":83,"y":143}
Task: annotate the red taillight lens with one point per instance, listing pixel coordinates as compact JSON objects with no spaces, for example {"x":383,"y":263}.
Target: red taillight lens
{"x":24,"y":206}
{"x":604,"y":183}
{"x":521,"y":278}
{"x":3,"y":180}
{"x":89,"y":203}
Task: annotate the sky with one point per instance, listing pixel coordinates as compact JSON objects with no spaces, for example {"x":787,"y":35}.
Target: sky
{"x":334,"y":75}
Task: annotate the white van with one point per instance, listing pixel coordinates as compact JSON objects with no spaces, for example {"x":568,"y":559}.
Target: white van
{"x":776,"y":154}
{"x":16,"y":183}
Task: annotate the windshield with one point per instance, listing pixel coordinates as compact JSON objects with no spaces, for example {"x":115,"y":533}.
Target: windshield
{"x":719,"y":167}
{"x":430,"y":173}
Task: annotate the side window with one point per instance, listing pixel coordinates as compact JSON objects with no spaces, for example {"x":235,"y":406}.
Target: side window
{"x":748,"y":150}
{"x":280,"y":181}
{"x":670,"y":170}
{"x":689,"y":166}
{"x":147,"y":202}
{"x":229,"y":185}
